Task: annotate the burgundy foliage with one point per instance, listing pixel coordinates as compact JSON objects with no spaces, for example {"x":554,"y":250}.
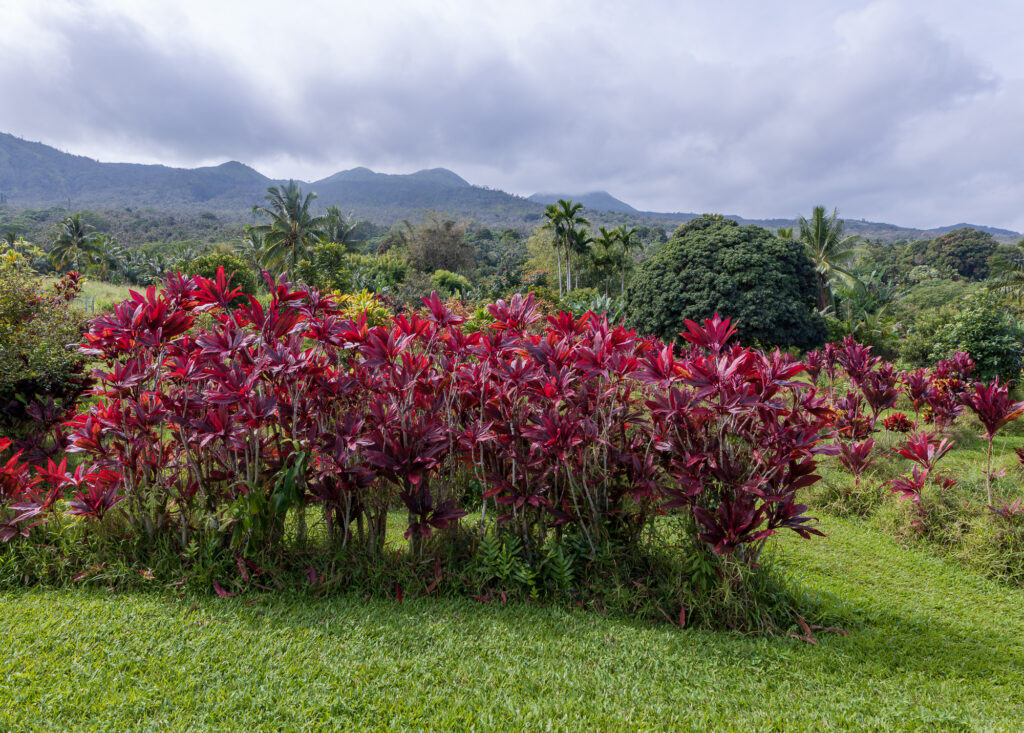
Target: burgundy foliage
{"x":992,"y":404}
{"x":880,"y":388}
{"x":917,"y":383}
{"x":856,"y":359}
{"x":856,"y":457}
{"x":897,"y":422}
{"x":285,"y":405}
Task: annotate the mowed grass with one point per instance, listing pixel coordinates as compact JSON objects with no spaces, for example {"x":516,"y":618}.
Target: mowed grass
{"x":932,"y":645}
{"x":98,"y":295}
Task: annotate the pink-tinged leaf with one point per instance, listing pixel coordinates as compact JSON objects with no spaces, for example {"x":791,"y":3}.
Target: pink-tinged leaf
{"x":221,"y":592}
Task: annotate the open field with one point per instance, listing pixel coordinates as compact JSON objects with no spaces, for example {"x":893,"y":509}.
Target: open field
{"x":98,"y":295}
{"x":932,"y":645}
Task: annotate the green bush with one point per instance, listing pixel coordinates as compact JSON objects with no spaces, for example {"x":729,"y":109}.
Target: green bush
{"x":579,"y":301}
{"x":39,"y":333}
{"x":449,"y":283}
{"x":330,"y":266}
{"x":327,"y":268}
{"x":915,"y":348}
{"x":206,"y":266}
{"x":766,"y":284}
{"x":982,"y":329}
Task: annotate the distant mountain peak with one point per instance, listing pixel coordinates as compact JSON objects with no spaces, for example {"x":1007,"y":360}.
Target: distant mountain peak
{"x":597,"y":200}
{"x":431,"y":176}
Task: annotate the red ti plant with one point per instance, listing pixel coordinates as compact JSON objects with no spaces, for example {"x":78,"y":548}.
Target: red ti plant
{"x":897,"y":422}
{"x":880,"y":388}
{"x":944,"y":404}
{"x":856,"y":359}
{"x":830,"y":357}
{"x":740,"y":440}
{"x":850,"y":421}
{"x":814,"y":361}
{"x":857,"y":458}
{"x":15,"y":484}
{"x":917,"y":383}
{"x":910,"y":487}
{"x":958,"y":366}
{"x":925,"y":450}
{"x":991,"y":403}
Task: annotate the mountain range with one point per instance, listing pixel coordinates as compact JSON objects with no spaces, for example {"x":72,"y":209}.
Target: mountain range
{"x":34,"y":175}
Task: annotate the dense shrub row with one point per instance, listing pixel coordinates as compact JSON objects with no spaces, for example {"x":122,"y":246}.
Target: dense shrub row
{"x":221,"y":416}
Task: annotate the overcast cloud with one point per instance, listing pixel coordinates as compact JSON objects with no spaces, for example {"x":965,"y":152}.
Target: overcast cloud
{"x":900,"y":111}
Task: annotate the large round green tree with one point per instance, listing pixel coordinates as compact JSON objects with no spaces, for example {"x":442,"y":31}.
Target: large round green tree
{"x":966,"y":251}
{"x":710,"y":265}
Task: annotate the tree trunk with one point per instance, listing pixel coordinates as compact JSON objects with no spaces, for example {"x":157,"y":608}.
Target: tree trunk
{"x":558,"y":254}
{"x":822,"y":292}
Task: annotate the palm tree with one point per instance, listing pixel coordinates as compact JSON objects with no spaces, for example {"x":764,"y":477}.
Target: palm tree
{"x":606,"y":256}
{"x":74,"y":242}
{"x":555,"y":225}
{"x":578,"y":242}
{"x":251,"y":248}
{"x":628,"y":241}
{"x":784,"y":232}
{"x":292,"y":228}
{"x":828,"y":249}
{"x":110,"y":257}
{"x":339,"y":228}
{"x":566,"y":222}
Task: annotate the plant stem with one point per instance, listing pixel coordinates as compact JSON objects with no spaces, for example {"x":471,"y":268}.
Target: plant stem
{"x":988,"y":471}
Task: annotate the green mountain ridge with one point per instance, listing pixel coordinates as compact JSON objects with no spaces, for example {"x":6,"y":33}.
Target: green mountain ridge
{"x":37,"y":176}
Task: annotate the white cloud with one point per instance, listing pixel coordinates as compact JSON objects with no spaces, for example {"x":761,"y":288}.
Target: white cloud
{"x":898,"y":111}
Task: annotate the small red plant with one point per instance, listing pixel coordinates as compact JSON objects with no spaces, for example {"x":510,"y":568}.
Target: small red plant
{"x":944,"y":403}
{"x":856,"y":359}
{"x":897,"y":422}
{"x":813,"y":363}
{"x":917,"y":383}
{"x":880,"y":388}
{"x":910,"y":487}
{"x":850,"y":421}
{"x":924,"y":449}
{"x":857,"y":458}
{"x":991,"y":403}
{"x":958,"y":366}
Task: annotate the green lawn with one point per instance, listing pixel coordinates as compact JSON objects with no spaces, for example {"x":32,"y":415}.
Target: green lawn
{"x":932,"y":646}
{"x":98,"y":296}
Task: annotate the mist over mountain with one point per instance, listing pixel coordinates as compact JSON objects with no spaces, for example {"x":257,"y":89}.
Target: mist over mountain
{"x":34,"y":175}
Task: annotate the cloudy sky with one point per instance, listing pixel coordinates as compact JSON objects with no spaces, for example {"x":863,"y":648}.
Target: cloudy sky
{"x":894,"y":110}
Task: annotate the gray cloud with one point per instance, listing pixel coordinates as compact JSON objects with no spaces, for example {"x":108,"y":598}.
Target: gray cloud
{"x":887,"y":110}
